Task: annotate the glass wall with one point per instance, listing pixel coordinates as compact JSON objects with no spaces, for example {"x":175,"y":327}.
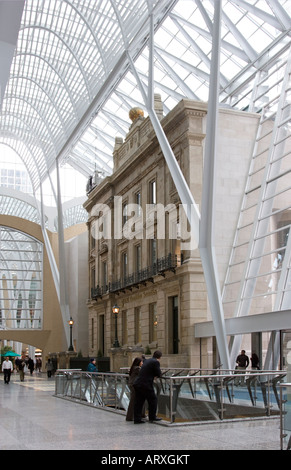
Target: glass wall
{"x":21,"y":280}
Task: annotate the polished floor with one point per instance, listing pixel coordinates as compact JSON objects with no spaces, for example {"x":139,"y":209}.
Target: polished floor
{"x":32,"y":418}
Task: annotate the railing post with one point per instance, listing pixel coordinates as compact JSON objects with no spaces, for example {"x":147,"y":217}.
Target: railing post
{"x":102,"y":389}
{"x":171,"y":400}
{"x":281,"y":418}
{"x":115,"y":391}
{"x":221,"y":397}
{"x":269,"y":398}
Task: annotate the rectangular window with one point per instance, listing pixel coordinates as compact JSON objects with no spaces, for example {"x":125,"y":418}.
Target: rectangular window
{"x":153,"y":322}
{"x":124,"y":327}
{"x":173,"y":325}
{"x":137,"y":323}
{"x":153,"y":192}
{"x":138,"y":202}
{"x":124,"y":265}
{"x":93,"y":236}
{"x":104,"y":275}
{"x":92,"y":333}
{"x":124,"y":214}
{"x":152,"y":251}
{"x":138,"y":258}
{"x":93,"y":280}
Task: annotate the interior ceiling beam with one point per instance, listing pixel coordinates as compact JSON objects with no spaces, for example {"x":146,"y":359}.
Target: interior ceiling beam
{"x":207,"y":35}
{"x":280,"y":13}
{"x":115,"y":120}
{"x":95,"y":157}
{"x":85,"y":170}
{"x":178,"y":96}
{"x":205,"y":16}
{"x":264,"y":61}
{"x":251,"y":53}
{"x":190,"y":68}
{"x":10,"y":19}
{"x":176,"y":78}
{"x":263,"y":15}
{"x":103,"y":137}
{"x":200,"y":53}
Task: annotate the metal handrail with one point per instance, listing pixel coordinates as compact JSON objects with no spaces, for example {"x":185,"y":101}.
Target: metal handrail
{"x":100,"y":387}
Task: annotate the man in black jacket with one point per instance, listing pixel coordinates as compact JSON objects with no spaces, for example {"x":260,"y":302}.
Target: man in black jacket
{"x":144,"y":389}
{"x":242,"y":361}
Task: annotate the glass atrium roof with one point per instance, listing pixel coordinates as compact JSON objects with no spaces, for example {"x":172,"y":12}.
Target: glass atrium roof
{"x":71,"y":83}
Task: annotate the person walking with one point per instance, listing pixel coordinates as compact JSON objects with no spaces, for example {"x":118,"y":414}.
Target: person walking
{"x":133,"y":373}
{"x":92,"y":366}
{"x":7,"y":368}
{"x":38,"y":364}
{"x":30,"y":365}
{"x":21,"y":366}
{"x":255,"y":362}
{"x":49,"y":368}
{"x":242,"y":361}
{"x":144,"y":388}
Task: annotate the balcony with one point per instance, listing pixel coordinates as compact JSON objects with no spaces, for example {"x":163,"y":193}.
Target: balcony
{"x":139,"y":278}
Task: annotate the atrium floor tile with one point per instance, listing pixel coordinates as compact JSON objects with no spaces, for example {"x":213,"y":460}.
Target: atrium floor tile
{"x":32,"y":418}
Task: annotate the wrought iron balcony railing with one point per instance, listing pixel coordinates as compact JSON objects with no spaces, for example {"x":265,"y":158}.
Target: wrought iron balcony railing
{"x":166,"y":263}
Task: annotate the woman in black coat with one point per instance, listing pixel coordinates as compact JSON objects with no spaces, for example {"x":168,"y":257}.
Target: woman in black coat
{"x":133,"y":373}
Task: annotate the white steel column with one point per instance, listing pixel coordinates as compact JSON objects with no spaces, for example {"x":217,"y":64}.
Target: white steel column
{"x":206,"y":245}
{"x":64,"y":301}
{"x":58,"y":273}
{"x":192,"y":212}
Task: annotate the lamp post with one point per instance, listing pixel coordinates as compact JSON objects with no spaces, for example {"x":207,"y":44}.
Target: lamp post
{"x":115,"y":311}
{"x":71,"y":322}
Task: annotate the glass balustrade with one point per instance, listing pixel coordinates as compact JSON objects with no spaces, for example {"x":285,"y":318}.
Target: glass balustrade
{"x":184,"y":395}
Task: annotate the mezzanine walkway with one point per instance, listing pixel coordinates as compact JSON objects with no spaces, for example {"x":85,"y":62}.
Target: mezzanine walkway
{"x":32,"y":418}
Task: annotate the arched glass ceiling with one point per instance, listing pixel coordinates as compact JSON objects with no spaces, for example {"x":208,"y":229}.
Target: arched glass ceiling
{"x":13,"y":204}
{"x":71,"y":87}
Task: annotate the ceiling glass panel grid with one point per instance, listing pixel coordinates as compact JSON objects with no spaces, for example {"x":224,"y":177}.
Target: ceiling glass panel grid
{"x":67,"y":50}
{"x":182,"y":57}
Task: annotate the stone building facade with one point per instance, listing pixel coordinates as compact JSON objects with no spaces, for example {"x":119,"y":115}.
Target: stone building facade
{"x":139,"y":255}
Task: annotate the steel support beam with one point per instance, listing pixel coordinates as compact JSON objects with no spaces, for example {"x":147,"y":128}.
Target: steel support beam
{"x":10,"y":19}
{"x":192,"y":212}
{"x":63,"y":293}
{"x":206,"y":244}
